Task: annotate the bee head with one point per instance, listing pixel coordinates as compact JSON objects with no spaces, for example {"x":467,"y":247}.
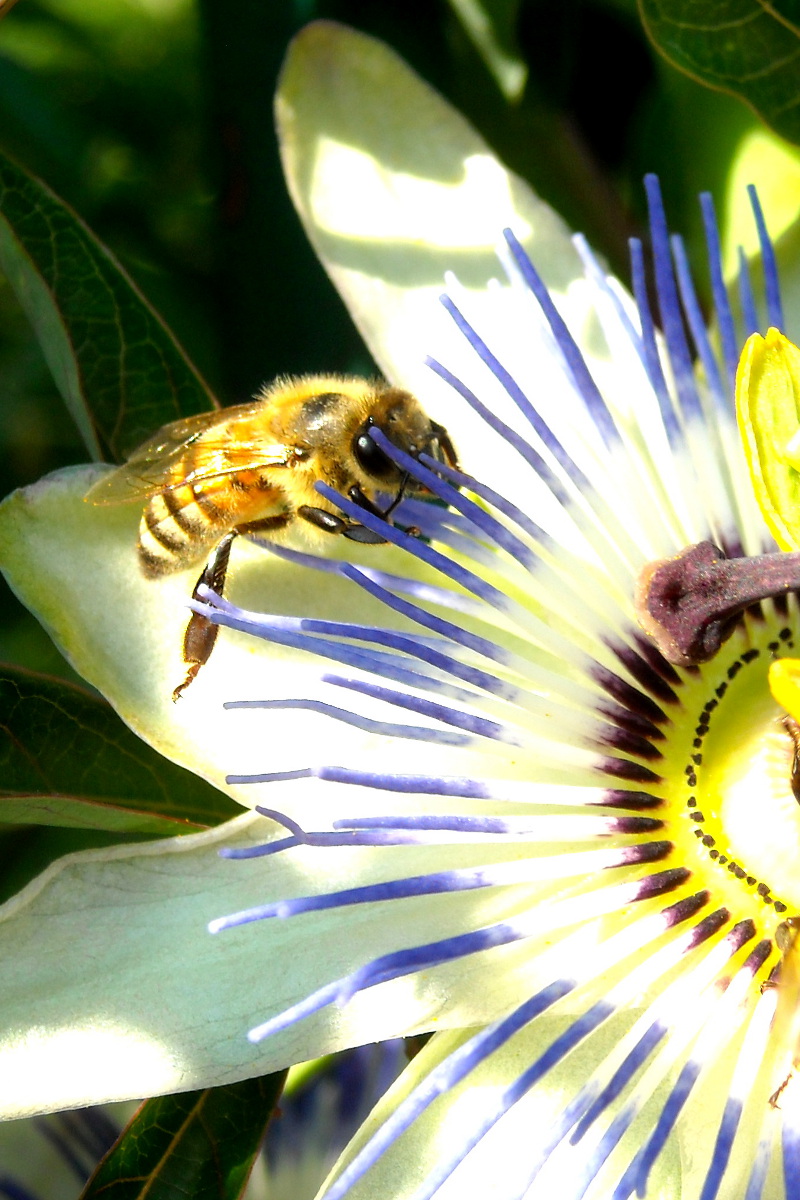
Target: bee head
{"x":399,"y":416}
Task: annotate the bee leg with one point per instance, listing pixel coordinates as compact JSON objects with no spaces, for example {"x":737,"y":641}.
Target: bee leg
{"x":776,"y":1095}
{"x":201,"y":634}
{"x":359,"y":533}
{"x":357,"y":496}
{"x":324,"y":520}
{"x":366,"y":537}
{"x":330,"y":523}
{"x":445,"y":445}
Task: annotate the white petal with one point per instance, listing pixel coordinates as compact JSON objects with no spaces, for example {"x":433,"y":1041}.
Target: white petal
{"x":75,"y":566}
{"x":443,"y":1130}
{"x":395,"y":189}
{"x":113,"y":987}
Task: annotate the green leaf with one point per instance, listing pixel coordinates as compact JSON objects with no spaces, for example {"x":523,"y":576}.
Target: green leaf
{"x":66,"y":759}
{"x":768,"y":411}
{"x":491,"y":27}
{"x":28,"y":850}
{"x":119,"y":369}
{"x":744,"y":47}
{"x":199,"y":1144}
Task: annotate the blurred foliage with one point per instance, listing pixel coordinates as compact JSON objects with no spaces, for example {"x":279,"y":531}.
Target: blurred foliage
{"x":66,"y":760}
{"x":740,"y":46}
{"x":115,"y":363}
{"x":199,"y":1144}
{"x":102,"y":100}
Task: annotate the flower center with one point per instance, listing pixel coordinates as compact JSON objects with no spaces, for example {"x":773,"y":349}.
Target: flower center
{"x":730,"y":766}
{"x":740,"y":771}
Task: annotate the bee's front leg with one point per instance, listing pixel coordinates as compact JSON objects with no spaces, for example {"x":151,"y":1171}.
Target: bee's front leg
{"x":201,"y":634}
{"x":359,"y":533}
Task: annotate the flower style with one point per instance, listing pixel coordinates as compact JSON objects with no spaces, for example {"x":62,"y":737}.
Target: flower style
{"x":583,"y":874}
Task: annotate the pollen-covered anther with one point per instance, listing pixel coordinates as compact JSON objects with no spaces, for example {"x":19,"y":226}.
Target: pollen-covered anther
{"x":690,"y":604}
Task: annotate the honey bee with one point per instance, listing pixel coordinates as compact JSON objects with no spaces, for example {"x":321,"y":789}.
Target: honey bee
{"x":252,"y":468}
{"x":787,"y":1015}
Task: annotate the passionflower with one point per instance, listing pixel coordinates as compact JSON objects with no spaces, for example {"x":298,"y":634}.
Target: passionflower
{"x":651,"y":1031}
{"x":319,"y":1116}
{"x":52,"y":1157}
{"x":484,"y":802}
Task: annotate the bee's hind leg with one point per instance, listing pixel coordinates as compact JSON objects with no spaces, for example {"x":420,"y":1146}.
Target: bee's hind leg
{"x":201,"y":634}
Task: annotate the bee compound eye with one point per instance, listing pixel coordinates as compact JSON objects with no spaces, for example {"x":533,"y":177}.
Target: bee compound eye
{"x":369,"y":456}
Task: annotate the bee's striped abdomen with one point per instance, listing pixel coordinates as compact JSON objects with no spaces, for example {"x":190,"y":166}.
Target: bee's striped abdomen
{"x":177,"y":528}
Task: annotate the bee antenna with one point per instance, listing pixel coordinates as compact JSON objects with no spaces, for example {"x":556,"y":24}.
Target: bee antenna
{"x":398,"y":496}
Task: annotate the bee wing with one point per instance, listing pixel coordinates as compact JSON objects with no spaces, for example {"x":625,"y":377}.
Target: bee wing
{"x":151,"y":467}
